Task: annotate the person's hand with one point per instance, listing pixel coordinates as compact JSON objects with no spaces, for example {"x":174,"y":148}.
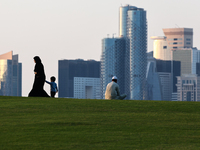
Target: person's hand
{"x":35,"y":72}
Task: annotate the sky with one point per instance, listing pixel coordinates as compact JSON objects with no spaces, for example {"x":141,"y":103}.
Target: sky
{"x":72,"y":29}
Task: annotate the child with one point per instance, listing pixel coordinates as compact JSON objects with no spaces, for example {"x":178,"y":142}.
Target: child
{"x":54,"y":88}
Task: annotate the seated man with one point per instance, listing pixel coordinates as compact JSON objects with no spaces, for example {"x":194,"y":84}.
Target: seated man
{"x":112,"y":90}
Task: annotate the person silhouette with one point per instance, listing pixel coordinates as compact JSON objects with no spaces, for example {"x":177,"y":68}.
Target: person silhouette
{"x":37,"y":89}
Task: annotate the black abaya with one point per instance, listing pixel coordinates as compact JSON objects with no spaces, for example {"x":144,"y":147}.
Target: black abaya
{"x":37,"y":90}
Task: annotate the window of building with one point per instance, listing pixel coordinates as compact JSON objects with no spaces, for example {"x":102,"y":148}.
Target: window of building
{"x":176,"y":39}
{"x":187,"y":42}
{"x":188,"y":39}
{"x":174,"y":47}
{"x":175,"y":43}
{"x":164,"y":47}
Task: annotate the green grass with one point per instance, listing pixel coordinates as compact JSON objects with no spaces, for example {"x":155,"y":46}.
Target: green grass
{"x":46,"y":123}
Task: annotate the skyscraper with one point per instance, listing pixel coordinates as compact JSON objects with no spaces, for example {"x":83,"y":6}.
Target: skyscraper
{"x":113,"y":63}
{"x":136,"y":55}
{"x":10,"y":75}
{"x":128,"y":52}
{"x":179,"y":37}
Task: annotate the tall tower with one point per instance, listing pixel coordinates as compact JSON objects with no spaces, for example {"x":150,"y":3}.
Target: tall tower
{"x":133,"y":27}
{"x":112,"y":63}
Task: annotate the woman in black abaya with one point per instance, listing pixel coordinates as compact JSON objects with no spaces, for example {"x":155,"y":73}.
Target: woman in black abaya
{"x":37,"y":90}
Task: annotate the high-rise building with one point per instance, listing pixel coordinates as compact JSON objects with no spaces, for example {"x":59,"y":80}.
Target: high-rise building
{"x":161,"y":49}
{"x":129,"y":52}
{"x":136,"y":52}
{"x":179,"y":37}
{"x":10,"y":75}
{"x":189,"y":57}
{"x":68,"y":69}
{"x":112,"y":63}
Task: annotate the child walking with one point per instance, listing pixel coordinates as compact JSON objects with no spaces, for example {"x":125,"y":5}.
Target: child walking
{"x":54,"y":88}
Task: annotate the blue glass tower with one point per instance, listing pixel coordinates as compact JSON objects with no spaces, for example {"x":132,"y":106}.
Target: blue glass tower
{"x":136,"y":48}
{"x":112,"y":62}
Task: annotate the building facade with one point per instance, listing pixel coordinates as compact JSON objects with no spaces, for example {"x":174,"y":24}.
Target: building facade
{"x":112,"y":63}
{"x":87,"y":88}
{"x":136,"y":51}
{"x":68,"y":69}
{"x":189,"y":57}
{"x":161,"y":49}
{"x":154,"y":87}
{"x":179,"y":37}
{"x":10,"y":75}
{"x":188,"y":88}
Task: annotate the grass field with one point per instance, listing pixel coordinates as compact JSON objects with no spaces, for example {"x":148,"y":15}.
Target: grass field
{"x":46,"y":123}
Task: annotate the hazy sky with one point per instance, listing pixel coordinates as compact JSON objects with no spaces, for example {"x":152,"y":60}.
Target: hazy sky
{"x":65,"y":29}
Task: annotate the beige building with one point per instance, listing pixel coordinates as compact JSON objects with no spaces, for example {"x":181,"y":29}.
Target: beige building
{"x":160,"y":48}
{"x":179,"y":37}
{"x":188,"y":57}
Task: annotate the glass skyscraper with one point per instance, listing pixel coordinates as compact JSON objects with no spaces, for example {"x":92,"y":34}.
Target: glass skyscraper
{"x":112,"y":63}
{"x":133,"y":57}
{"x":10,"y":75}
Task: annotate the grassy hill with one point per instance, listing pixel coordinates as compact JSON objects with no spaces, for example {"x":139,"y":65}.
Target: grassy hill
{"x":46,"y":123}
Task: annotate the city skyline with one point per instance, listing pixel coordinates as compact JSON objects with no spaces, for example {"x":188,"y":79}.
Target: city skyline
{"x":52,"y":30}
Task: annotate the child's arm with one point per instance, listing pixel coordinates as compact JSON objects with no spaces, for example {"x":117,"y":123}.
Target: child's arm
{"x":48,"y":82}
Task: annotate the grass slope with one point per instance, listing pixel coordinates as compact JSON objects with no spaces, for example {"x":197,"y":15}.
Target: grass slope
{"x":46,"y":123}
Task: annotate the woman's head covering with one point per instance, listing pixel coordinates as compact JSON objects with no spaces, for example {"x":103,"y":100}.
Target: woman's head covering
{"x":37,"y":59}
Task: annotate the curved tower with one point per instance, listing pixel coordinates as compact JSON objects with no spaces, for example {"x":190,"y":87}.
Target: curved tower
{"x":136,"y":52}
{"x":123,"y":19}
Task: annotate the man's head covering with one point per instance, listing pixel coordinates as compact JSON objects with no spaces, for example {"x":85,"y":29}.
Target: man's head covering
{"x":114,"y":78}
